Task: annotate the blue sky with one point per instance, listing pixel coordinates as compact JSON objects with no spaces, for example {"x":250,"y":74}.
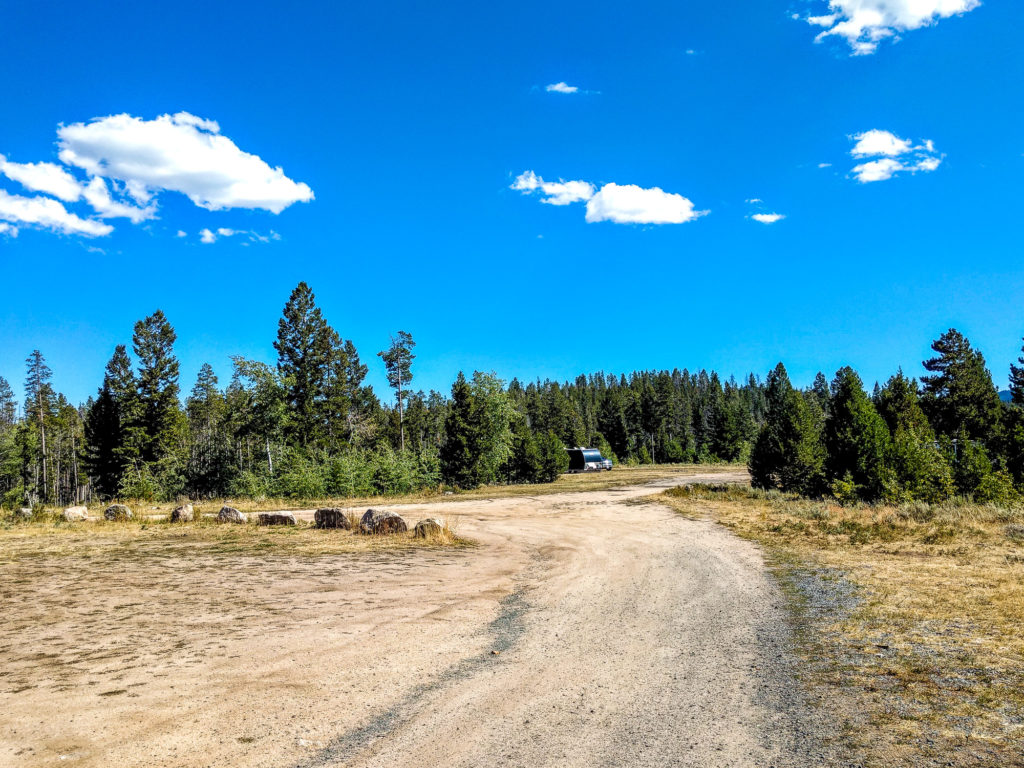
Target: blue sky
{"x":401,"y":128}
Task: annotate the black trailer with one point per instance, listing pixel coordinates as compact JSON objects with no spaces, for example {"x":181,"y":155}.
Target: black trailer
{"x":587,"y":460}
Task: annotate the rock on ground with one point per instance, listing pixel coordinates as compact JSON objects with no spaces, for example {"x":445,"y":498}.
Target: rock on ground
{"x":381,"y":521}
{"x":231,"y":515}
{"x":25,"y":513}
{"x":276,"y":518}
{"x":117,"y":512}
{"x":332,"y":517}
{"x":428,"y":528}
{"x":183,"y":514}
{"x":72,"y":514}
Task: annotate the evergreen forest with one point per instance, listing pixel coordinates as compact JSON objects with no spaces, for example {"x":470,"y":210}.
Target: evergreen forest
{"x":309,"y":427}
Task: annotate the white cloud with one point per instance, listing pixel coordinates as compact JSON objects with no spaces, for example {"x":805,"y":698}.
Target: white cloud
{"x":620,"y":203}
{"x":865,"y":23}
{"x":755,"y":200}
{"x":878,"y":170}
{"x":182,"y":233}
{"x":824,"y":165}
{"x":767,"y":218}
{"x":561,"y":87}
{"x":892,"y":155}
{"x":180,"y":153}
{"x":246,"y":235}
{"x":875,"y":142}
{"x":48,"y":213}
{"x":558,"y":192}
{"x":98,"y":196}
{"x":43,"y":177}
{"x":8,"y":229}
{"x":630,"y":204}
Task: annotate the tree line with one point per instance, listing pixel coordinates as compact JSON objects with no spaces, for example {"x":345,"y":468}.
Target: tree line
{"x":949,"y":435}
{"x":308,"y":426}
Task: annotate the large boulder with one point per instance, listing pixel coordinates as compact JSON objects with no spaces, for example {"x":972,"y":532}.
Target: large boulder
{"x":183,"y":514}
{"x":25,"y":513}
{"x":428,"y":529}
{"x":74,"y":514}
{"x":332,"y":517}
{"x":117,"y":512}
{"x":231,"y":515}
{"x":381,"y":521}
{"x":276,"y":518}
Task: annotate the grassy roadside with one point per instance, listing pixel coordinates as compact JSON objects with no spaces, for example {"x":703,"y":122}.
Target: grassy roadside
{"x":913,"y":615}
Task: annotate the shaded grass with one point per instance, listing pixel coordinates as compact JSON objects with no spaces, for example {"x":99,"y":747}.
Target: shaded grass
{"x":915,"y":612}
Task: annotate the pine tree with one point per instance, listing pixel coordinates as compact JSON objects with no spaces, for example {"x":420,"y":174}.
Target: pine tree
{"x":899,"y":404}
{"x":821,"y":393}
{"x":209,"y":467}
{"x":525,"y":462}
{"x":114,"y":433}
{"x":344,"y":399}
{"x":959,"y":395}
{"x":398,"y":364}
{"x":856,"y":438}
{"x":39,"y":398}
{"x":8,"y":405}
{"x":10,"y":458}
{"x":303,"y":355}
{"x":554,"y":460}
{"x":788,"y":453}
{"x":1017,"y":381}
{"x":159,"y":409}
{"x":460,"y":452}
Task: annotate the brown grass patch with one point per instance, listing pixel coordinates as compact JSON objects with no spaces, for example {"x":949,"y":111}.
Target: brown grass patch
{"x":923,"y":617}
{"x":50,"y":537}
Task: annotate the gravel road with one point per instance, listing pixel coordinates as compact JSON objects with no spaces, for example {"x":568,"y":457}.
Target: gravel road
{"x":629,"y":637}
{"x":586,"y":629}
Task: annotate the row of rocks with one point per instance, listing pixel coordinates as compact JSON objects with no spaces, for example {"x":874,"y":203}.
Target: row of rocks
{"x":374,"y":521}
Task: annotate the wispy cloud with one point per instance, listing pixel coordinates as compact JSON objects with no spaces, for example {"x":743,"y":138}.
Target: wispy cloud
{"x":892,"y":155}
{"x":618,"y":203}
{"x":557,"y":192}
{"x":246,"y":236}
{"x":561,"y":87}
{"x":47,"y":213}
{"x":48,"y":178}
{"x":762,"y":216}
{"x":865,"y":23}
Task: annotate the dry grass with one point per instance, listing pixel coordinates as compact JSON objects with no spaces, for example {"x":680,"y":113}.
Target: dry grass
{"x":50,"y":537}
{"x":915,"y":611}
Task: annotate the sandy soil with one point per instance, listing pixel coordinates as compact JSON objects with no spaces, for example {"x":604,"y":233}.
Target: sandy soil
{"x":586,"y":629}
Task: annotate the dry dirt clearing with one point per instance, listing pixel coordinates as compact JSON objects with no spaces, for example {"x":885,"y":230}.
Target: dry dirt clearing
{"x":585,"y":629}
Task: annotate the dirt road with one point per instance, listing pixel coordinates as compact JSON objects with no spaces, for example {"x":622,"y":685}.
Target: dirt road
{"x":586,"y":629}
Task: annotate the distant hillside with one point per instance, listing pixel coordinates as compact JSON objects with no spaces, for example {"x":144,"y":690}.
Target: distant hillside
{"x":1005,"y":396}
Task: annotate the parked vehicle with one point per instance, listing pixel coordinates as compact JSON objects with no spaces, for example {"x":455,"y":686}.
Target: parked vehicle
{"x":587,"y":460}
